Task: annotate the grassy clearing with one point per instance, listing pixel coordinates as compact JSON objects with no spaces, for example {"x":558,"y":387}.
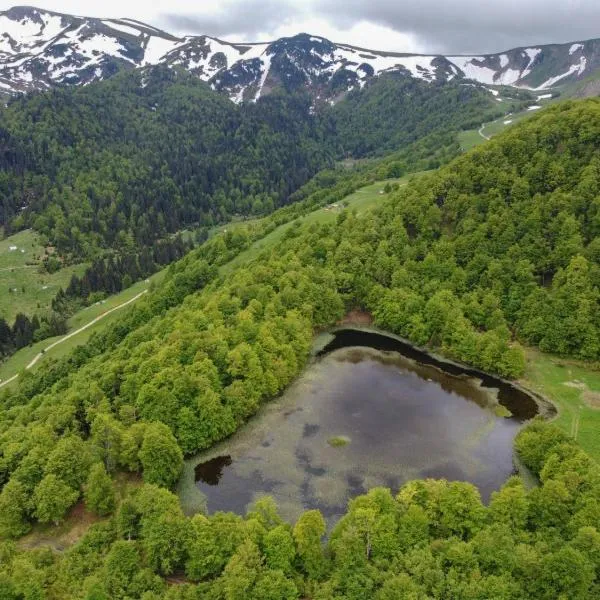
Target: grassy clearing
{"x":571,"y":385}
{"x":469,"y":139}
{"x":499,"y":125}
{"x":19,"y":361}
{"x":24,"y":287}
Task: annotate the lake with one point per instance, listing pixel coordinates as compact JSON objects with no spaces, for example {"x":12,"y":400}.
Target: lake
{"x":370,"y":410}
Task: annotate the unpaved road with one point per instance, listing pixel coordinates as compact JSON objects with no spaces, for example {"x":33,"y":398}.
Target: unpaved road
{"x":485,"y":137}
{"x":39,"y":355}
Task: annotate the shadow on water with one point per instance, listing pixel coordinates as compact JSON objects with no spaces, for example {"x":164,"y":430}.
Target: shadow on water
{"x":401,"y":413}
{"x":211,"y":471}
{"x":521,"y":404}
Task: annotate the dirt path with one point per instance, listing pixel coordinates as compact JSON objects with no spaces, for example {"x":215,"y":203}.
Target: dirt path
{"x":480,"y":132}
{"x":21,"y":267}
{"x":73,"y":333}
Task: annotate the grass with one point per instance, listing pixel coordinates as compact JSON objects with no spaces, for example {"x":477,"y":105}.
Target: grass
{"x":24,"y":286}
{"x":502,"y":411}
{"x":565,"y":381}
{"x":499,"y":125}
{"x":470,"y":138}
{"x":338,"y":441}
{"x":18,"y":361}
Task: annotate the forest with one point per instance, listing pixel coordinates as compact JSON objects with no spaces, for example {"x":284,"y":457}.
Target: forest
{"x":498,"y":248}
{"x":52,"y":130}
{"x":433,"y":539}
{"x":122,"y":163}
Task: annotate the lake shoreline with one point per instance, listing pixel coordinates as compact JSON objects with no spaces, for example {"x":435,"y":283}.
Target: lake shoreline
{"x":546,"y":408}
{"x":193,"y":500}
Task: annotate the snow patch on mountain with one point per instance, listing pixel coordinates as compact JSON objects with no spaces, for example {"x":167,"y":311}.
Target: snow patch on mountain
{"x":120,"y":27}
{"x":574,"y":48}
{"x":39,"y":49}
{"x":532,"y":54}
{"x":156,"y":48}
{"x":578,"y":68}
{"x":266,"y":65}
{"x":28,"y":31}
{"x":473,"y":69}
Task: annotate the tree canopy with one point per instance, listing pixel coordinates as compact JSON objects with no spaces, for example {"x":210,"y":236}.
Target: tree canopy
{"x":497,"y":248}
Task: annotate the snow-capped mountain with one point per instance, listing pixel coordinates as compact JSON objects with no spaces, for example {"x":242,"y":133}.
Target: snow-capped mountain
{"x":40,"y":49}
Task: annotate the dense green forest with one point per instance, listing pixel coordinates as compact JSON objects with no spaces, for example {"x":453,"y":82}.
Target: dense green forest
{"x":499,"y":246}
{"x":121,"y":163}
{"x":129,"y":160}
{"x":434,"y":540}
{"x":395,"y":111}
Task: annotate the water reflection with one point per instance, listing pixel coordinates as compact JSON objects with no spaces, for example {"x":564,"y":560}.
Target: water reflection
{"x":398,"y":419}
{"x":211,"y":471}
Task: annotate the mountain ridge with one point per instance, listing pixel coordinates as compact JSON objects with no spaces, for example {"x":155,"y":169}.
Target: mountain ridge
{"x":40,"y":49}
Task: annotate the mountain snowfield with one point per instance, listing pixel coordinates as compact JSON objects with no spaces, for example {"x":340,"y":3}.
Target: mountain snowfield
{"x":41,"y":49}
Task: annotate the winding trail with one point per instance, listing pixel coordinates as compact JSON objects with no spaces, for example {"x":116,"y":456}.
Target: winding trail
{"x":480,"y":132}
{"x":39,"y":355}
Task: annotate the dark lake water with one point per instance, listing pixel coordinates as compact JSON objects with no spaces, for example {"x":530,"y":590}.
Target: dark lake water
{"x":370,"y":411}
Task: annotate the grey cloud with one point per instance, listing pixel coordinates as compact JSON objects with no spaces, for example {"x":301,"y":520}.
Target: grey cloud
{"x":246,"y":17}
{"x":439,"y":26}
{"x":469,"y":26}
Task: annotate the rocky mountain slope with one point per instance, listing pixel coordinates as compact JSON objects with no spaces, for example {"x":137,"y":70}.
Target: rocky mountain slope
{"x":41,"y":49}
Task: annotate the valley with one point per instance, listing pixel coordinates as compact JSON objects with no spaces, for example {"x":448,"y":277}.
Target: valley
{"x":95,"y":317}
{"x":297,"y":319}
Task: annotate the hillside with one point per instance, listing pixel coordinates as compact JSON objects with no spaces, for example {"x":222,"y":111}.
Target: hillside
{"x":124,"y":162}
{"x":134,"y":158}
{"x":41,"y":49}
{"x":498,"y":247}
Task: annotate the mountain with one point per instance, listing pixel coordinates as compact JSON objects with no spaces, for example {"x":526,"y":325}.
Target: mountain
{"x":147,"y":152}
{"x":41,"y":49}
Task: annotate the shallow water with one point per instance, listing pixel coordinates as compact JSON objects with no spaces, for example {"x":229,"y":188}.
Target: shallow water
{"x":401,"y":420}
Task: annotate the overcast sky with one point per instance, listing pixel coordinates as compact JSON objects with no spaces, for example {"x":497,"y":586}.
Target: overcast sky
{"x":436,"y":26}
